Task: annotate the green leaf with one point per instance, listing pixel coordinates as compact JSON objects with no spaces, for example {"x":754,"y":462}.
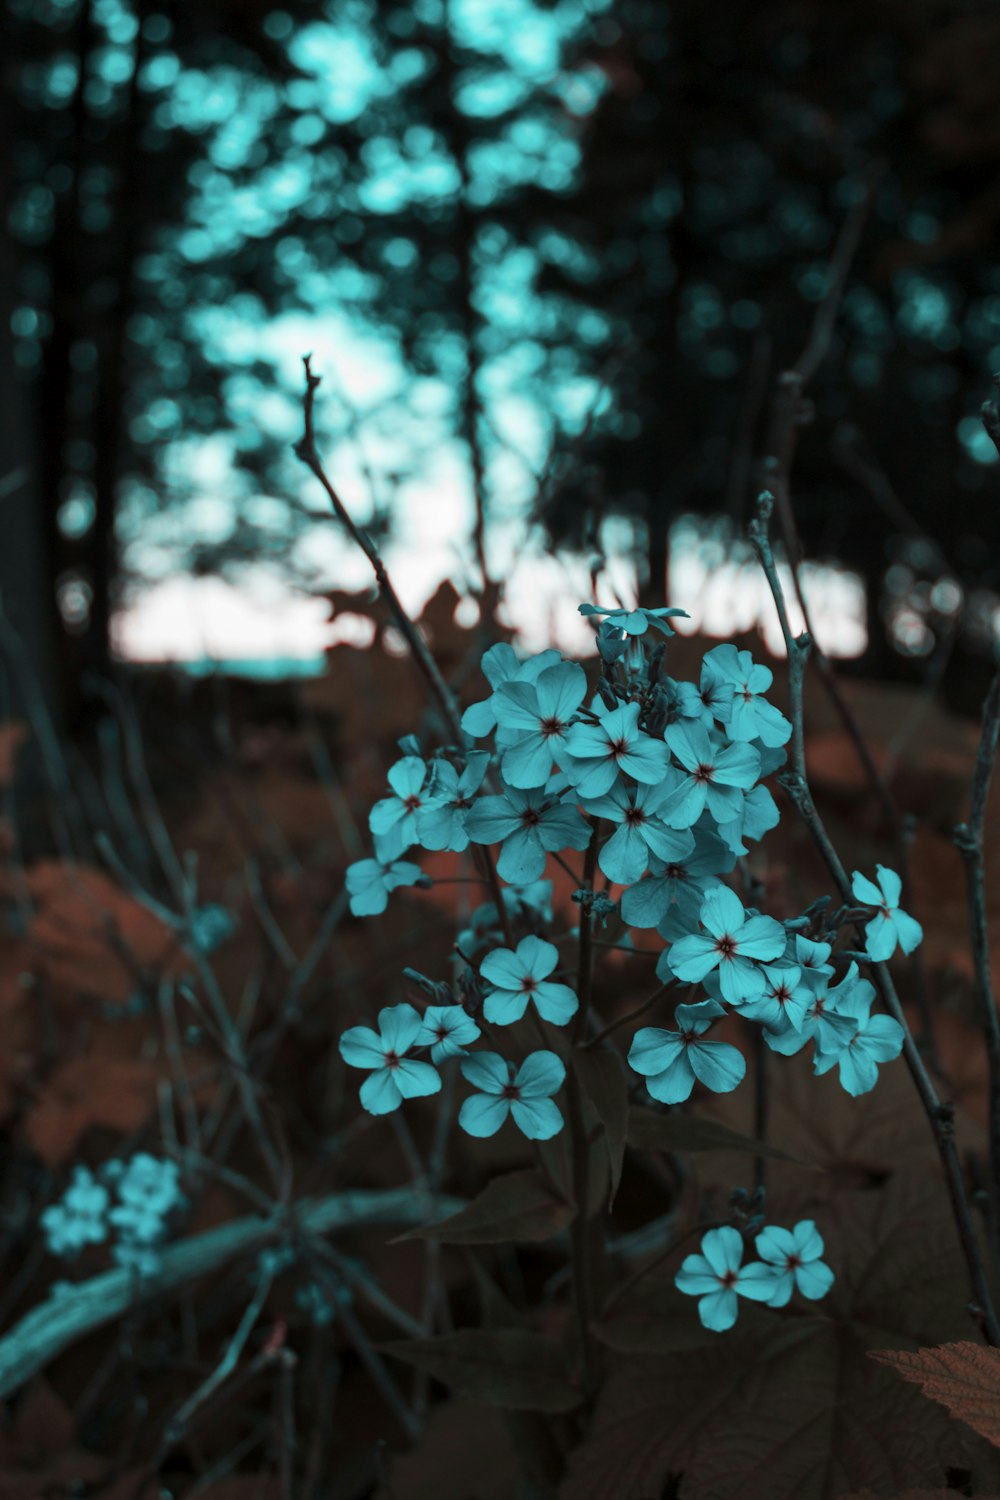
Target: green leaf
{"x":649,"y":1129}
{"x":603,"y":1079}
{"x":504,"y":1367}
{"x":515,"y":1206}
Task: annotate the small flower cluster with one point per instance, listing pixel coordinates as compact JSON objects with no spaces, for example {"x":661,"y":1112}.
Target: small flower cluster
{"x":668,"y":777}
{"x":789,"y":1261}
{"x":127,"y":1201}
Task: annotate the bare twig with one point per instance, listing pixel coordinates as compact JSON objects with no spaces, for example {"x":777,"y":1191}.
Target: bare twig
{"x":940,"y":1115}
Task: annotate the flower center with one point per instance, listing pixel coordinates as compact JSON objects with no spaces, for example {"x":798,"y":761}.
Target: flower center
{"x":728,"y":1279}
{"x":530,"y":817}
{"x":441,"y":1033}
{"x":550,"y":727}
{"x":411,"y":803}
{"x":704,"y":773}
{"x":391,"y":1059}
{"x":676,"y":872}
{"x":794,"y":1261}
{"x":634,"y":816}
{"x":619,"y":748}
{"x":510,"y":1091}
{"x":725,"y":946}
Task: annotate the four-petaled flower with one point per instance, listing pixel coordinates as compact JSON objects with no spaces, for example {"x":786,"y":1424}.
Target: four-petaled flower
{"x":596,"y":753}
{"x":635,"y":621}
{"x":369,"y":882}
{"x":733,"y":943}
{"x":517,"y":977}
{"x":502,"y":664}
{"x":442,"y":818}
{"x":541,"y":713}
{"x":447,"y":1030}
{"x":625,"y":855}
{"x":717,"y":776}
{"x":394,"y":819}
{"x":670,"y":1061}
{"x":526,"y":824}
{"x":394,"y":1076}
{"x":794,"y":1258}
{"x":751,"y":716}
{"x":870,"y":1041}
{"x":890,"y":926}
{"x":526,"y":1094}
{"x":716,"y":1277}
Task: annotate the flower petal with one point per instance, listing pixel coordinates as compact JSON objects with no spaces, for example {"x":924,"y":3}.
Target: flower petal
{"x":400,"y":1026}
{"x":415,"y":1079}
{"x":483,"y":1114}
{"x":379,"y":1094}
{"x":487,"y":1071}
{"x":361,"y":1047}
{"x":540,"y":1075}
{"x":717,"y":1065}
{"x":538,"y":1119}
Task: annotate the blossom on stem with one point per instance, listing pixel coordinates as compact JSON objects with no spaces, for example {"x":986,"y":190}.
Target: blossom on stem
{"x":717,"y":776}
{"x":751,"y":716}
{"x":393,"y":1076}
{"x":541,"y":714}
{"x":688,"y":876}
{"x":871,"y":1039}
{"x":891,"y":925}
{"x":595,"y":754}
{"x":369,"y":882}
{"x":394,"y":819}
{"x":794,"y":1256}
{"x":79,"y":1217}
{"x":502,"y":664}
{"x":625,"y":855}
{"x":716,"y":1277}
{"x":442,"y":818}
{"x":526,"y":824}
{"x":671,"y":1061}
{"x":635,"y":621}
{"x":734,"y":943}
{"x":526,"y":1094}
{"x":518,"y":976}
{"x":447,"y":1030}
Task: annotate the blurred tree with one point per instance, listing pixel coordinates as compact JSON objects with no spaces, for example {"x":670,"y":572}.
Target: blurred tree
{"x":717,"y":168}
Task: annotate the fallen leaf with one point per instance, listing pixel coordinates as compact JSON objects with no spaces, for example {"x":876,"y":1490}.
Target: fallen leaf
{"x":964,"y":1377}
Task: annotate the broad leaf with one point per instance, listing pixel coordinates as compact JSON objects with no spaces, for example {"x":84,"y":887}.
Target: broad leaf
{"x":602,"y":1076}
{"x":516,"y":1206}
{"x":650,"y":1129}
{"x":504,"y":1367}
{"x":964,"y":1377}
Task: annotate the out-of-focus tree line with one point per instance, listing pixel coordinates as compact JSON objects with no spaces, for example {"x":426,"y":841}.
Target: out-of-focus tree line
{"x":592,"y":235}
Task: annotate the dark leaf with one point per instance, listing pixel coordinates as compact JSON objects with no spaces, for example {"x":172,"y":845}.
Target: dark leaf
{"x":964,"y":1377}
{"x":503,"y":1367}
{"x":517,"y":1206}
{"x":648,"y":1128}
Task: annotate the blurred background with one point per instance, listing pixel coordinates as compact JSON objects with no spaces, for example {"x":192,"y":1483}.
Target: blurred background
{"x":550,"y":257}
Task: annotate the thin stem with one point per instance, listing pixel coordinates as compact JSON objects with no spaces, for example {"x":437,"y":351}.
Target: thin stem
{"x":940,"y":1115}
{"x":969,"y":841}
{"x":632,"y":1015}
{"x":582,"y":1272}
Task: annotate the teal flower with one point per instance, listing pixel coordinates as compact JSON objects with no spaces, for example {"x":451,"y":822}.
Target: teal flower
{"x":447,"y":1030}
{"x":526,"y":1094}
{"x":369,"y":882}
{"x":785,"y":1000}
{"x":625,"y":855}
{"x":502,"y":664}
{"x":871,"y":1039}
{"x":716,"y":776}
{"x":891,"y":925}
{"x":517,"y":977}
{"x":733,"y":942}
{"x":442,"y":818}
{"x":813,"y":959}
{"x":671,"y":1061}
{"x":526,"y":824}
{"x":393,"y":819}
{"x":686,"y":878}
{"x":541,"y":714}
{"x":717,"y":1277}
{"x":597,"y":753}
{"x":79,"y":1218}
{"x":635,"y":621}
{"x":757,"y":816}
{"x":751,"y":716}
{"x":794,"y":1258}
{"x":393,"y":1076}
{"x":710,"y":702}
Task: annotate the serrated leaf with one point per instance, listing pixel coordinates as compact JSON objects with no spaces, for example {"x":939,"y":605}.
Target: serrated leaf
{"x":504,"y":1367}
{"x":602,"y":1076}
{"x":515,"y":1206}
{"x":648,"y":1128}
{"x":964,"y":1377}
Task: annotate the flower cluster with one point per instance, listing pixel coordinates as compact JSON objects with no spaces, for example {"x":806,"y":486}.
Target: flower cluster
{"x":129,"y":1202}
{"x":789,"y":1261}
{"x":662,"y":780}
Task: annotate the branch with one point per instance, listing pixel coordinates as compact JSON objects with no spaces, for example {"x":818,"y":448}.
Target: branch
{"x":306,"y":450}
{"x":54,"y":1325}
{"x":940,"y":1115}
